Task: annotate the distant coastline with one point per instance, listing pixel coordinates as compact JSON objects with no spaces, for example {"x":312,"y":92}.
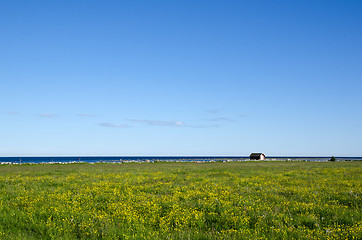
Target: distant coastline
{"x":148,"y":159}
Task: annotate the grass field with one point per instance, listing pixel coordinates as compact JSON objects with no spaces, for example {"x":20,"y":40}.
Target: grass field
{"x":234,"y":200}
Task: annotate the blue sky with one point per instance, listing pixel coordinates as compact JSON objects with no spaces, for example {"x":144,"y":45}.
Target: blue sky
{"x":181,"y":78}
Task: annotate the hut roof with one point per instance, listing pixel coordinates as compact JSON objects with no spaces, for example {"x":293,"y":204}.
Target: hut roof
{"x":256,"y":154}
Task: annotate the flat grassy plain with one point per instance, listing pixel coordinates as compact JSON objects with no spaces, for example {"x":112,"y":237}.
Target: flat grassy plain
{"x":232,"y":200}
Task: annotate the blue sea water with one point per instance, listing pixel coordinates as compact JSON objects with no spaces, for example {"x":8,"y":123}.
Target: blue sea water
{"x":125,"y":159}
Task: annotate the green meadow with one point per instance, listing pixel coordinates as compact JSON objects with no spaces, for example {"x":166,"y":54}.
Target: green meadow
{"x":232,"y":200}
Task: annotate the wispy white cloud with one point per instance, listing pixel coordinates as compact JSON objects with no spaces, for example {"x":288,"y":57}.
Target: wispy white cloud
{"x":47,"y":115}
{"x":214,"y":111}
{"x":113,"y":125}
{"x":171,"y":123}
{"x":160,"y":123}
{"x":202,"y":126}
{"x":85,"y":115}
{"x":14,"y":113}
{"x":220,"y":119}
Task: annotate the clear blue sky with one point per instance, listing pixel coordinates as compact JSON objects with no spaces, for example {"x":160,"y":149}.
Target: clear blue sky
{"x":181,"y":78}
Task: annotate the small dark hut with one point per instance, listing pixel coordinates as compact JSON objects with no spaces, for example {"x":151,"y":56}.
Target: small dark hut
{"x":257,"y":156}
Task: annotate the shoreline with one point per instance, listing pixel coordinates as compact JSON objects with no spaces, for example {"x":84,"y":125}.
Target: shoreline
{"x":184,"y":160}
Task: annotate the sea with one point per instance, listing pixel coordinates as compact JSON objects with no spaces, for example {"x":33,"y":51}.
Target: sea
{"x":150,"y":159}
